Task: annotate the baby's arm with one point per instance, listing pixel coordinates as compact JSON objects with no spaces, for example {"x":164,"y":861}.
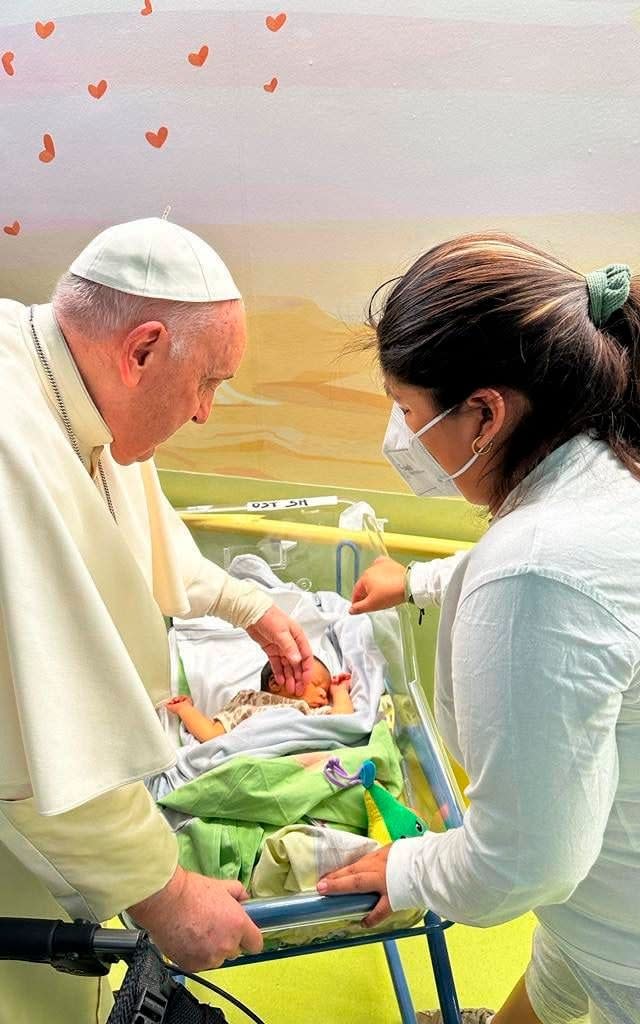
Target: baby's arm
{"x":194,"y":721}
{"x":341,"y":703}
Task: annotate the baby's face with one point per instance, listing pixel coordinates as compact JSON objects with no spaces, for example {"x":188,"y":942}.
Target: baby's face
{"x":316,"y":692}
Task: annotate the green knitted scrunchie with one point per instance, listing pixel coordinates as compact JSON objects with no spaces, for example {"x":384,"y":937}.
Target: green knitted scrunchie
{"x":608,"y":290}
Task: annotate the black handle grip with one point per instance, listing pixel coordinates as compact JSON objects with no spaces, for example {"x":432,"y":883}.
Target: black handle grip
{"x":41,"y":941}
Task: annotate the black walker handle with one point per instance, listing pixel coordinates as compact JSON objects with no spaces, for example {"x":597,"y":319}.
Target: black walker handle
{"x":79,"y":947}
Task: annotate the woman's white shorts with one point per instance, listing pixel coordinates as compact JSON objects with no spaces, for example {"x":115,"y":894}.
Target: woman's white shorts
{"x":562,"y":992}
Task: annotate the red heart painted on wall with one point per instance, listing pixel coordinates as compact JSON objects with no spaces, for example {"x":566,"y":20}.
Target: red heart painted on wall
{"x":271,"y":86}
{"x":198,"y":59}
{"x":49,"y":152}
{"x":12,"y":229}
{"x":7,"y":62}
{"x":44,"y":29}
{"x":97,"y":91}
{"x":157,"y":139}
{"x":275,"y":24}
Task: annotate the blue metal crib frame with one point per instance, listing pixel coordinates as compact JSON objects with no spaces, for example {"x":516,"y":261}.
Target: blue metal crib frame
{"x":305,"y":908}
{"x":311,"y":909}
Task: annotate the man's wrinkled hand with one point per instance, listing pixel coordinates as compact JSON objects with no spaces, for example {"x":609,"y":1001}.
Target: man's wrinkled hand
{"x":199,"y":922}
{"x":287,"y":648}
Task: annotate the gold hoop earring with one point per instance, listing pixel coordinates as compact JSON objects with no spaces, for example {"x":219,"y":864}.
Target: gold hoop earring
{"x":481,"y":451}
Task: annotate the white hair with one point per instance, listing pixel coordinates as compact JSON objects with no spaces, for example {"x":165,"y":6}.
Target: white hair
{"x":101,"y":312}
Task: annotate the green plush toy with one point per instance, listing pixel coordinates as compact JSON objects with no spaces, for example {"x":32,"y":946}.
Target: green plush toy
{"x":387,"y":818}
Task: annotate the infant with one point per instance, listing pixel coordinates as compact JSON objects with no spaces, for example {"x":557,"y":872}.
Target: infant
{"x":323,"y":695}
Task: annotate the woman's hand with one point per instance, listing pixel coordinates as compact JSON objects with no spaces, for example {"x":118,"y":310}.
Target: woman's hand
{"x":380,"y":586}
{"x":369,"y":874}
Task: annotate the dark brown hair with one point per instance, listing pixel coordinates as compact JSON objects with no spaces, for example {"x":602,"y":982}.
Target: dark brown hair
{"x":492,"y":311}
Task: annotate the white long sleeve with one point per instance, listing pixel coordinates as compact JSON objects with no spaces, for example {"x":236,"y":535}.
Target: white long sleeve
{"x":184,"y":582}
{"x":537,"y":729}
{"x":428,"y":580}
{"x":210,"y":589}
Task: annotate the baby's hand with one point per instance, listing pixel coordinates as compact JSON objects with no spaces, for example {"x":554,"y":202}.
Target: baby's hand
{"x":344,"y":679}
{"x":176,"y":704}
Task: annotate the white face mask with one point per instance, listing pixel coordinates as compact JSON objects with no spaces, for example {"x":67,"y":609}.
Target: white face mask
{"x":407,"y":454}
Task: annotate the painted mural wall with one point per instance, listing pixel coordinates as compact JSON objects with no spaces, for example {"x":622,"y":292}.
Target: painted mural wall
{"x":320,"y":147}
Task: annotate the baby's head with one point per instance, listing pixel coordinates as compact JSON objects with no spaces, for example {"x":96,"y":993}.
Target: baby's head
{"x":315,"y":693}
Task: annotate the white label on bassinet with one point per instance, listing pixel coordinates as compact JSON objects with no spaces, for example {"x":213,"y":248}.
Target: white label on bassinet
{"x":279,"y":505}
{"x":288,"y":503}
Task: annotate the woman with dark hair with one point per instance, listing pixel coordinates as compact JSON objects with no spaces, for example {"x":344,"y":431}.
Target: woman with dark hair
{"x":516,"y":383}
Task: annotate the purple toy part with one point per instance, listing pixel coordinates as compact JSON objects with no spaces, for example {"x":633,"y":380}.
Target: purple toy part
{"x":336,"y":774}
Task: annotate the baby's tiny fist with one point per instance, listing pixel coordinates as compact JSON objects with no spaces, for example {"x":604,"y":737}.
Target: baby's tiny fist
{"x":176,"y":704}
{"x":344,"y":679}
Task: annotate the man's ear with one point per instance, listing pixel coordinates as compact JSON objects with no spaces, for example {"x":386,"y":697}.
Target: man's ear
{"x":139,"y":349}
{"x":274,"y":687}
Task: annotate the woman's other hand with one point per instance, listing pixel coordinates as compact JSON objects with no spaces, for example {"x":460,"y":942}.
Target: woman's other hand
{"x":369,"y":874}
{"x":380,"y":586}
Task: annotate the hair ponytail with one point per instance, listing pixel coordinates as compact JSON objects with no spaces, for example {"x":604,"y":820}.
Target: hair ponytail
{"x":623,"y":330}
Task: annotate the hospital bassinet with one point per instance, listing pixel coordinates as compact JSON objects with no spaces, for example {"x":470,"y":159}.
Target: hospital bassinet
{"x":305,"y":542}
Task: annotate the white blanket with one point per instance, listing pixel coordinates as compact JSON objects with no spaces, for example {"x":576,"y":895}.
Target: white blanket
{"x":296,"y":857}
{"x":220,"y":660}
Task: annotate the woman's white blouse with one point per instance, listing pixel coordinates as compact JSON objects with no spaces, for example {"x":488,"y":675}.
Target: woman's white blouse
{"x":538,"y":696}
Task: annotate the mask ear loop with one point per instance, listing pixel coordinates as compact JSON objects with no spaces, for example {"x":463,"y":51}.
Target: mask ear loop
{"x":481,"y":451}
{"x":432,"y":423}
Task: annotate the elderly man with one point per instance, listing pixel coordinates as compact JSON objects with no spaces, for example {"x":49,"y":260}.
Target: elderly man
{"x":140,"y":333}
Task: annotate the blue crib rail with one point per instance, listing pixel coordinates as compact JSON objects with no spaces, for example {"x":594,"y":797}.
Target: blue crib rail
{"x":311,"y":908}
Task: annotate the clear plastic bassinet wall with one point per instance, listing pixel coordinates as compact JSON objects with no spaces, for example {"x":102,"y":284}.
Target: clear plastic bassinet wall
{"x":288,"y":538}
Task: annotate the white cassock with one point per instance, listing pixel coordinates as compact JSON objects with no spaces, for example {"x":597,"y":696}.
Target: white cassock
{"x":83,"y":660}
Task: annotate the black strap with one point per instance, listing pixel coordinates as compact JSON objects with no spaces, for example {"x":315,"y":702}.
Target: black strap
{"x":184,"y":1008}
{"x":149,"y":995}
